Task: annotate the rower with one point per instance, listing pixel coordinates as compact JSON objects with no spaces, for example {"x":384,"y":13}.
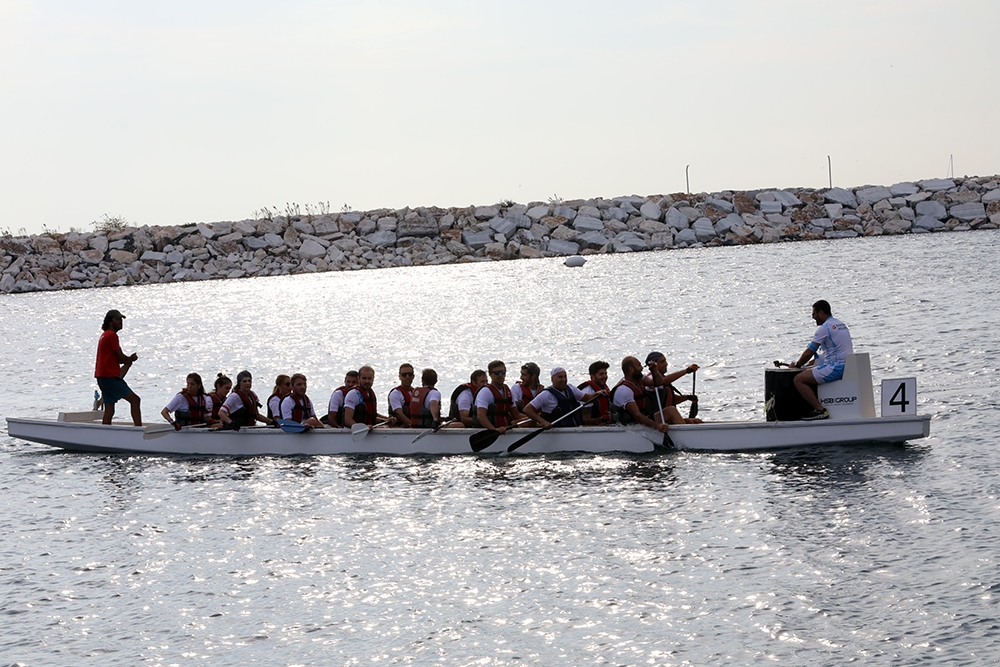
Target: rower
{"x":218,"y":396}
{"x":282,"y":387}
{"x":399,"y":397}
{"x":424,"y":409}
{"x":297,"y":406}
{"x":834,"y":338}
{"x":558,"y":399}
{"x":463,"y":400}
{"x":112,"y":365}
{"x":191,"y":405}
{"x":657,"y":380}
{"x":600,"y":412}
{"x":628,"y":398}
{"x":528,"y":386}
{"x":242,"y":407}
{"x":335,"y":411}
{"x":495,"y":407}
{"x":361,"y":404}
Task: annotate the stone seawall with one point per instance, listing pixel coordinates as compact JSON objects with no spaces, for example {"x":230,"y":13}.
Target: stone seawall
{"x":415,"y":236}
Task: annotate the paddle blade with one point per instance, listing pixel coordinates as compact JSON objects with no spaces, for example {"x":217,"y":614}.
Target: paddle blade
{"x":524,"y":440}
{"x":694,"y":408}
{"x":359,"y":432}
{"x":154,"y":432}
{"x":289,"y":426}
{"x":483,"y":439}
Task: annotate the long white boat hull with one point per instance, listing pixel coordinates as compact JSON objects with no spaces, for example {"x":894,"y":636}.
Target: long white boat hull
{"x":719,"y":436}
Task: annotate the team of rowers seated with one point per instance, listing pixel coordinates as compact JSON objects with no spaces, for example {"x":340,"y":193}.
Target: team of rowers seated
{"x":486,"y":401}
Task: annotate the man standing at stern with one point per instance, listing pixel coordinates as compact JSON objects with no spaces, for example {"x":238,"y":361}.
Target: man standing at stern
{"x":110,"y":372}
{"x":834,"y":339}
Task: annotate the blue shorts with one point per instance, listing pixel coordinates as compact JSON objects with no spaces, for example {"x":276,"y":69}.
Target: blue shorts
{"x":828,"y":373}
{"x":113,"y":389}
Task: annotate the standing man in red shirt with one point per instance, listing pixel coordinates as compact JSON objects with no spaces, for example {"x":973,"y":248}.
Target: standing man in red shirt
{"x":109,"y":371}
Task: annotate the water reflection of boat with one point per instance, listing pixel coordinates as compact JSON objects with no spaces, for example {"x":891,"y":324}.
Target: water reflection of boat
{"x":80,"y":432}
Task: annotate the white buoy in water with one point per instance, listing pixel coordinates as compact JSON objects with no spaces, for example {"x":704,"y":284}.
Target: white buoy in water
{"x":575,"y":260}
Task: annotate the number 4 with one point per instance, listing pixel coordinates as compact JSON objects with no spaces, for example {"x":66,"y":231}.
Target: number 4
{"x":899,"y":397}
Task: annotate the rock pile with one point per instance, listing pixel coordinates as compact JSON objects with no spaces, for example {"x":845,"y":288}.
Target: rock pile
{"x":406,"y":237}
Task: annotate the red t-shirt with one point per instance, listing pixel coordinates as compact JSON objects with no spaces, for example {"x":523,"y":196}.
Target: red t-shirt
{"x":107,"y":360}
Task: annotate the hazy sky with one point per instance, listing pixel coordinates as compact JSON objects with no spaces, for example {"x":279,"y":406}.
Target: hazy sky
{"x":167,"y":112}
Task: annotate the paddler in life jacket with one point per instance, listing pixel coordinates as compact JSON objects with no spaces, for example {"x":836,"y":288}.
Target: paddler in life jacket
{"x":242,"y":407}
{"x":399,"y":397}
{"x":658,"y":380}
{"x":361,"y":404}
{"x":222,"y":386}
{"x":335,"y":411}
{"x":628,"y":398}
{"x":599,"y":413}
{"x":463,"y":401}
{"x":297,"y":406}
{"x":558,"y":399}
{"x":282,"y":388}
{"x":495,"y":408}
{"x":190,"y":406}
{"x":528,"y":386}
{"x":424,"y":408}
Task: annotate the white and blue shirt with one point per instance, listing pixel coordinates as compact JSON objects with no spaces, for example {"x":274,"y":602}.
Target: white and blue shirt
{"x":834,"y":339}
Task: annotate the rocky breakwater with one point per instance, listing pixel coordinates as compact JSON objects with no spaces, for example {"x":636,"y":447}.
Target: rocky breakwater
{"x":405,"y":237}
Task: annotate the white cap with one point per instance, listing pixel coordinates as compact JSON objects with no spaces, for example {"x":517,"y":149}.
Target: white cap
{"x":557,"y":370}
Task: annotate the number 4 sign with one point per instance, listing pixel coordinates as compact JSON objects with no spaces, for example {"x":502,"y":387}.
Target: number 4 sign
{"x":899,"y":397}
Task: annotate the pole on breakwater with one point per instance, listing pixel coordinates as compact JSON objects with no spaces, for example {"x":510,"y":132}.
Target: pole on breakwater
{"x":829,"y":170}
{"x":687,"y":179}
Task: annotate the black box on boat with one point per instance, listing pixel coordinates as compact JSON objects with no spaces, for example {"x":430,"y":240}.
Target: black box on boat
{"x":788,"y":405}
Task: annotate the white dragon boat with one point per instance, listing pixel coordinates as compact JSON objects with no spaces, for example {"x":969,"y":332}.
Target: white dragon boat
{"x":850,"y":402}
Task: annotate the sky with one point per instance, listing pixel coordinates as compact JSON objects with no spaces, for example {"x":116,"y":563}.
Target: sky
{"x":177,"y":111}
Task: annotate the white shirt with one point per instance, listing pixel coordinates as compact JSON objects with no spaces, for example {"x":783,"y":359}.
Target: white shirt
{"x":336,"y":400}
{"x":288,"y":404}
{"x":353,"y":399}
{"x":518,"y":396}
{"x":464,"y":400}
{"x":484,"y":399}
{"x":274,"y":405}
{"x":432,"y":395}
{"x":234,"y":402}
{"x":546,"y":402}
{"x":396,"y":401}
{"x":832,"y":343}
{"x":623,"y":396}
{"x":178,"y":402}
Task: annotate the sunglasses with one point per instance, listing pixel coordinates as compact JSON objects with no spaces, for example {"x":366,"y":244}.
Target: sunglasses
{"x":499,"y":372}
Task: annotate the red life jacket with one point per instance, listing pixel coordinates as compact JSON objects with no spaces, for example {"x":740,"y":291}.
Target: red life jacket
{"x":196,"y":407}
{"x":301,"y":410}
{"x":638,"y":395}
{"x":453,"y":411}
{"x":527,"y":394}
{"x":217,"y":402}
{"x":419,"y":414}
{"x":601,"y":408}
{"x":407,"y":397}
{"x":249,"y":406}
{"x":499,"y":412}
{"x":367,"y":410}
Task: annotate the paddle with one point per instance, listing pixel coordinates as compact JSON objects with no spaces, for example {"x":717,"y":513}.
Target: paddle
{"x":480,"y":440}
{"x":360,"y":431}
{"x":290,"y":426}
{"x":694,"y":399}
{"x":154,"y":432}
{"x":527,"y":438}
{"x":433,"y":430}
{"x":667,"y":442}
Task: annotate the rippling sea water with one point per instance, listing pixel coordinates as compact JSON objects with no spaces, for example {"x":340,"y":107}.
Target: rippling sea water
{"x":868,"y":554}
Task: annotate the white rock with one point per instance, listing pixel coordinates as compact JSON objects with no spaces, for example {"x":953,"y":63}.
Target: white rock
{"x":486,"y":212}
{"x":841,"y":196}
{"x":99,"y":243}
{"x":521,"y":220}
{"x":536,"y":213}
{"x":560,"y":247}
{"x":591,"y":211}
{"x":651,"y":210}
{"x":584,"y":223}
{"x":907,"y":213}
{"x":245,"y":227}
{"x":968,"y":212}
{"x":932,"y":208}
{"x":896,"y":226}
{"x":565,"y":211}
{"x":505,"y":228}
{"x":765,"y":196}
{"x":991,"y":196}
{"x":174,"y":257}
{"x":592,"y":239}
{"x":205,"y":230}
{"x":311,"y":249}
{"x":927,"y":222}
{"x":703,"y":229}
{"x":152,"y":256}
{"x":615,"y":213}
{"x":727,"y":223}
{"x":834,"y":211}
{"x":770,"y":207}
{"x":379,"y":239}
{"x":574,"y":261}
{"x":787,"y":198}
{"x":937,"y":184}
{"x":476,"y":240}
{"x":873,"y":194}
{"x":7,"y":283}
{"x":685,"y":237}
{"x":631,"y":240}
{"x":822,"y":223}
{"x":903,"y":189}
{"x":676,"y":219}
{"x":721,"y":205}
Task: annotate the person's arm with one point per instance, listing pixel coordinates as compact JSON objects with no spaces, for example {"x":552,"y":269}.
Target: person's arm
{"x":435,"y":407}
{"x":532,"y":413}
{"x":166,"y":415}
{"x":400,"y":417}
{"x":807,"y":354}
{"x":673,"y":377}
{"x":349,"y":417}
{"x":637,"y":415}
